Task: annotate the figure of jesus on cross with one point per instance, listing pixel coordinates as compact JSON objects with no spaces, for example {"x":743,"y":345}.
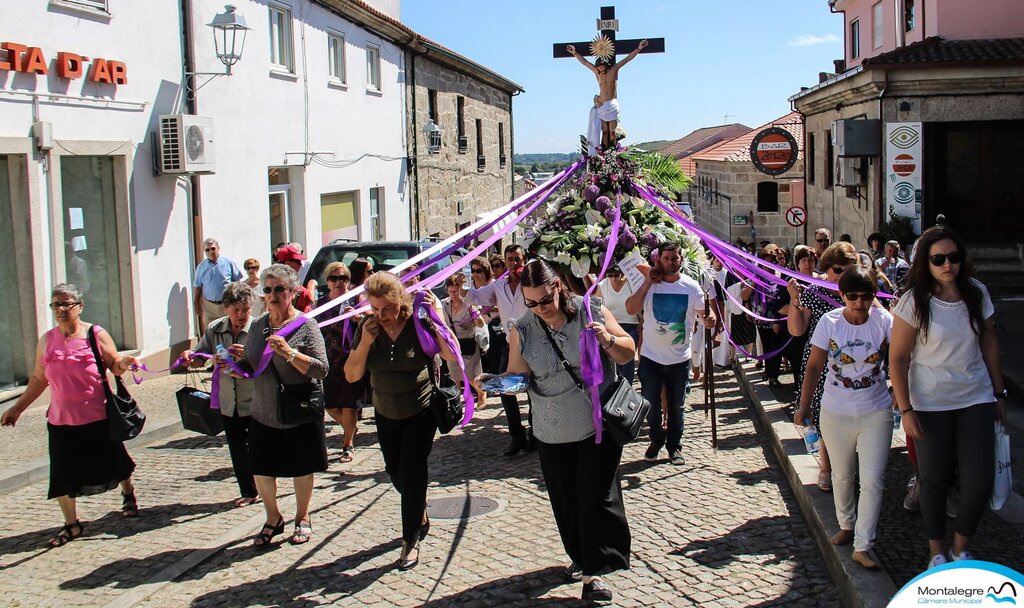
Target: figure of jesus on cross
{"x":606,"y":104}
{"x":604,"y":115}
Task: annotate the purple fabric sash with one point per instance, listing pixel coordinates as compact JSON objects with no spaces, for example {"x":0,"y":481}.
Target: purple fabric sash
{"x":740,"y":305}
{"x":428,"y":341}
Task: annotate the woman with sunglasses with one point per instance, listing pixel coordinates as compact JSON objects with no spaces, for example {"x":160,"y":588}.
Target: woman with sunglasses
{"x":949,"y":386}
{"x":252,"y":279}
{"x":387,"y":346}
{"x":83,"y":459}
{"x":465,"y":321}
{"x":342,"y":399}
{"x":807,"y":307}
{"x":481,"y":275}
{"x":849,"y":345}
{"x":582,"y":476}
{"x":278,"y":449}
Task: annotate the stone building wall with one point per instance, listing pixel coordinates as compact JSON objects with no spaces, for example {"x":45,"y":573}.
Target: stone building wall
{"x":450,"y":177}
{"x":737,"y":195}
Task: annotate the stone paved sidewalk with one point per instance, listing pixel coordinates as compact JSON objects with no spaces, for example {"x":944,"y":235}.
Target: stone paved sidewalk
{"x":724,"y":530}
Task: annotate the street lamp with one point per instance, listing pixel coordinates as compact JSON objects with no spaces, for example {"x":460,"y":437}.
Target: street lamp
{"x":433,"y":133}
{"x":226,"y":44}
{"x":226,"y":27}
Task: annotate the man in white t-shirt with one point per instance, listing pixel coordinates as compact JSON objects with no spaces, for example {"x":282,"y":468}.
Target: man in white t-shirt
{"x":670,"y":302}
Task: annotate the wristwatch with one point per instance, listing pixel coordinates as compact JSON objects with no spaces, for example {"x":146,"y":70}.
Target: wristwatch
{"x":1003,"y":394}
{"x":292,"y":356}
{"x":610,"y":344}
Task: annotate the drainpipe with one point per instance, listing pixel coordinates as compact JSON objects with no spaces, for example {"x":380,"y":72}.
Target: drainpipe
{"x":803,"y":182}
{"x":880,"y":211}
{"x":415,"y":141}
{"x":195,"y":192}
{"x":512,"y":147}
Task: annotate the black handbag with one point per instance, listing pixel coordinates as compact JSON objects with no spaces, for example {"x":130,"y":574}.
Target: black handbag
{"x":467,"y":346}
{"x":299,"y":403}
{"x":622,"y":408}
{"x":195,"y":411}
{"x":445,"y":399}
{"x":124,"y":418}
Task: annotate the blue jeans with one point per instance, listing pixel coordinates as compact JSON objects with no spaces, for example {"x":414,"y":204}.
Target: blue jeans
{"x":628,"y":370}
{"x":674,"y":378}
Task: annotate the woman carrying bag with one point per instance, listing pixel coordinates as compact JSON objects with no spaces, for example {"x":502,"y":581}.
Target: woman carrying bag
{"x":466,"y":322}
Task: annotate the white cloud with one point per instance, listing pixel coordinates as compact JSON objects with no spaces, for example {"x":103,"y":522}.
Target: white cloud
{"x":811,"y":39}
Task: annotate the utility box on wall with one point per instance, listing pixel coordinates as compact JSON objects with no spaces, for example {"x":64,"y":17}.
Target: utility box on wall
{"x":857,"y":137}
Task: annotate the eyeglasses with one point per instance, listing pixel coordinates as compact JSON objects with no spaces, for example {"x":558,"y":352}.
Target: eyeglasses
{"x":838,"y":269}
{"x":338,"y":277}
{"x":208,"y":249}
{"x":497,"y":265}
{"x":63,"y":305}
{"x":541,"y":302}
{"x":824,"y":240}
{"x":275,"y":289}
{"x":478,"y":270}
{"x":863,"y":297}
{"x":939,"y":259}
{"x":252,"y":267}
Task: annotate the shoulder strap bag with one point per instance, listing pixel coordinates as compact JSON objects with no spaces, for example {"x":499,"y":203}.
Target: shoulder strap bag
{"x":124,"y":418}
{"x":298,"y":403}
{"x":623,"y":409}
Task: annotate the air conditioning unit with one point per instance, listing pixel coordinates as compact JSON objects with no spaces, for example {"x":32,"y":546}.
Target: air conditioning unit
{"x":849,"y":172}
{"x":186,"y":144}
{"x":856,"y":137}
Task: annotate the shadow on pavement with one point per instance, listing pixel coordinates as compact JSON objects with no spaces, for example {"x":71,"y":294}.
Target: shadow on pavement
{"x":763,"y":536}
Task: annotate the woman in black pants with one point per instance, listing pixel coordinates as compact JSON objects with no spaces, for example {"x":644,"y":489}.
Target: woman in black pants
{"x":387,"y":345}
{"x":948,"y":382}
{"x":774,"y":334}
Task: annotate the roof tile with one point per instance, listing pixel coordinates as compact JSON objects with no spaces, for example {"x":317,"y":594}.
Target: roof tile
{"x":938,"y":50}
{"x":737,"y":149}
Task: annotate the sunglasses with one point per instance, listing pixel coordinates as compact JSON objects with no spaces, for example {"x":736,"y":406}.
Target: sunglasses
{"x":210,"y":249}
{"x":939,"y":259}
{"x":252,"y":267}
{"x":63,"y":305}
{"x":541,"y":302}
{"x":863,"y":297}
{"x":275,"y":289}
{"x":497,"y":265}
{"x":338,"y":277}
{"x":838,"y":269}
{"x":478,"y":270}
{"x":823,"y":240}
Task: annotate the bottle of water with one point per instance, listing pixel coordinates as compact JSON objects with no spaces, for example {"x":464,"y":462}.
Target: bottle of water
{"x":810,"y":437}
{"x":897,"y":418}
{"x":223,"y":352}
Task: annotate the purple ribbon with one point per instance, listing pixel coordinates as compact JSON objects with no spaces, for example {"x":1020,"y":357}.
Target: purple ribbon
{"x":740,"y":305}
{"x":428,"y":341}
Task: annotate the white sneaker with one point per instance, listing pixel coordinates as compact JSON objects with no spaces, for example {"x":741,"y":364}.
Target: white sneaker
{"x":912,"y":501}
{"x":964,"y":556}
{"x":937,"y":560}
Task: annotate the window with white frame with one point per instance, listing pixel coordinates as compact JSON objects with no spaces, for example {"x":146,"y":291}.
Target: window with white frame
{"x":100,"y":5}
{"x":373,"y":67}
{"x":336,"y":57}
{"x":281,"y":54}
{"x":376,"y":214}
{"x":876,"y":26}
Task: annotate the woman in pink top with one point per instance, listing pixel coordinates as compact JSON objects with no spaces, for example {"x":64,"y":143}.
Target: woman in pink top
{"x":83,"y":460}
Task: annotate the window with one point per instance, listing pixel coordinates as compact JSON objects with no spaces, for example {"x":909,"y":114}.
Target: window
{"x":373,"y":68}
{"x":460,"y":117}
{"x":829,"y":161}
{"x":809,"y":159}
{"x":338,"y":217}
{"x":481,"y":160}
{"x":336,"y":57}
{"x":855,"y":39}
{"x":10,"y":321}
{"x":767,"y":197}
{"x":908,"y":15}
{"x":281,"y":38}
{"x":876,"y":26}
{"x":100,"y":5}
{"x":502,"y":159}
{"x":279,"y":190}
{"x":376,"y":205}
{"x":432,"y":105}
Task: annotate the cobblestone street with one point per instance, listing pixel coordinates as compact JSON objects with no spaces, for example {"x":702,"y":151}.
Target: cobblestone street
{"x":723,"y":530}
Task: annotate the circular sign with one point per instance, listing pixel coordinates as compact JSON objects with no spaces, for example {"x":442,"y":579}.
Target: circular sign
{"x":903,"y":165}
{"x":796,"y":216}
{"x":903,"y":193}
{"x":774,"y":151}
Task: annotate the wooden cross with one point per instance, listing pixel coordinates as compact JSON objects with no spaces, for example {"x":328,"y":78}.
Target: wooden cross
{"x":608,"y":25}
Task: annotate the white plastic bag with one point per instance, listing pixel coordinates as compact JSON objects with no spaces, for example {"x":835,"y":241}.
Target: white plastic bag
{"x":1004,"y":481}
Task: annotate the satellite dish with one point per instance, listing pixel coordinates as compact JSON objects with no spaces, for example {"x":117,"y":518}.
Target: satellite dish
{"x":195,"y":143}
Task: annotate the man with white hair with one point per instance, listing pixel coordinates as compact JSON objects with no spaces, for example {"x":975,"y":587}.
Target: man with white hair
{"x":212,"y":276}
{"x":822,"y":239}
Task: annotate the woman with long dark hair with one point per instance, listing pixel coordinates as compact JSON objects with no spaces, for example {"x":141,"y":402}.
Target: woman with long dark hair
{"x":582,"y":476}
{"x":948,"y":383}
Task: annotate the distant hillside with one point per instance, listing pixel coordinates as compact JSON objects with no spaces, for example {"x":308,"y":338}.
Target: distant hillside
{"x":549,"y":157}
{"x":654,"y":146}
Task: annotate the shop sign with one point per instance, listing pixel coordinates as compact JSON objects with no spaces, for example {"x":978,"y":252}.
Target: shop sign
{"x":774,"y":151}
{"x":15,"y":57}
{"x":903,"y":150}
{"x":739,"y":220}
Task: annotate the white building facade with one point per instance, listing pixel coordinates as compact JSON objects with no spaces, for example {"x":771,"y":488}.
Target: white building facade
{"x":308,"y":145}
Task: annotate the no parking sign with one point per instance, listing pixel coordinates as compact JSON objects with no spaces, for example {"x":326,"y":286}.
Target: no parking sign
{"x":796,"y":216}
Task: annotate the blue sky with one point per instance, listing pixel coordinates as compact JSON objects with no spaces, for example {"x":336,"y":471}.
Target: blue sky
{"x":741,"y":57}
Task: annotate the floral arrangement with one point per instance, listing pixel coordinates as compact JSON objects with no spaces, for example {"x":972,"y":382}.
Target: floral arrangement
{"x":575,"y":230}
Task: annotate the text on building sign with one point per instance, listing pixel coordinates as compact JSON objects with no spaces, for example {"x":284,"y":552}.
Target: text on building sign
{"x":30,"y":60}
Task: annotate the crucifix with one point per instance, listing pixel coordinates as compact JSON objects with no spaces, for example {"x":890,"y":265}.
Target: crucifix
{"x":604,"y":116}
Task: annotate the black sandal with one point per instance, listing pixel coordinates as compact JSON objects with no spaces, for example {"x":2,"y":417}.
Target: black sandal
{"x":129,"y":504}
{"x":268,"y":532}
{"x":67,"y":534}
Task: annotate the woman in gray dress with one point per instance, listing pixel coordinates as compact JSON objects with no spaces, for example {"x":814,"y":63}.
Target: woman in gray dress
{"x":277,"y":449}
{"x":582,"y":476}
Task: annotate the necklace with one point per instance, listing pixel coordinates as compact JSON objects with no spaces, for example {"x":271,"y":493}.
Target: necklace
{"x":286,"y":322}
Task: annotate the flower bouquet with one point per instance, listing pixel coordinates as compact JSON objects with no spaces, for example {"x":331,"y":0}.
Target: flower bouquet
{"x":574,"y":232}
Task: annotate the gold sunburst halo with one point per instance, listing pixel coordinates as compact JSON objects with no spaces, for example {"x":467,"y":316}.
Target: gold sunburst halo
{"x":603,"y":47}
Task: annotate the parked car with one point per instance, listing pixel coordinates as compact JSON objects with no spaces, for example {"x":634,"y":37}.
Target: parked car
{"x":384,"y":255}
